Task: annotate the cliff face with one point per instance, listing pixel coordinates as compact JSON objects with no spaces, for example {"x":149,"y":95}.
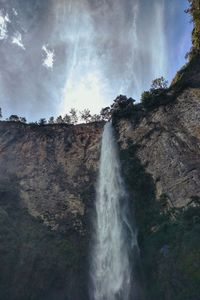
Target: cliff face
{"x":168,"y":146}
{"x":55,"y":166}
{"x":47,"y":191}
{"x":160,"y":155}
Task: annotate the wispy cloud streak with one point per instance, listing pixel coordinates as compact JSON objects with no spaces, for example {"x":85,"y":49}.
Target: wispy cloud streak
{"x":4,"y":20}
{"x":17,"y":40}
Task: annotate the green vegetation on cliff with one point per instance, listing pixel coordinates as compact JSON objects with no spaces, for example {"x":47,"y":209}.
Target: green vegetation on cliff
{"x":194,"y":11}
{"x":189,"y":76}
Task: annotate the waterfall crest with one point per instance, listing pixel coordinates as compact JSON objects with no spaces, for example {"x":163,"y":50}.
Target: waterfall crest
{"x":111,"y":271}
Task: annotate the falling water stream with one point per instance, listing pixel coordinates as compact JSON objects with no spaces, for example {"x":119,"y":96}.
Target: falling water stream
{"x":111,"y":272}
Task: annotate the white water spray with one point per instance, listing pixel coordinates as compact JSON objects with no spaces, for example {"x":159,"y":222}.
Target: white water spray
{"x":111,"y":271}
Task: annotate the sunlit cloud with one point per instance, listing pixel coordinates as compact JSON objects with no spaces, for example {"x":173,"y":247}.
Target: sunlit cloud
{"x":17,"y":40}
{"x":4,"y":20}
{"x":49,"y":57}
{"x":85,"y":92}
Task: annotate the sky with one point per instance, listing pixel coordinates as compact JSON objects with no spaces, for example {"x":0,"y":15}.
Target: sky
{"x":62,"y":54}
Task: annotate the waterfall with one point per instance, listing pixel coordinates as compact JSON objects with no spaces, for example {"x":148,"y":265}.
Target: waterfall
{"x":111,"y":273}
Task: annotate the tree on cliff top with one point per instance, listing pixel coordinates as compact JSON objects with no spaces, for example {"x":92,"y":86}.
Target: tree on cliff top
{"x":42,"y":122}
{"x":59,"y":120}
{"x":22,"y":120}
{"x":51,"y":120}
{"x":67,"y":119}
{"x":13,"y":118}
{"x":73,"y":116}
{"x":159,"y":83}
{"x":105,"y":113}
{"x":86,"y":115}
{"x":150,"y":98}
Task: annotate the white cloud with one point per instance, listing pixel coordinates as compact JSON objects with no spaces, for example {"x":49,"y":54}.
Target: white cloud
{"x":15,"y":12}
{"x":17,"y":40}
{"x":49,"y":57}
{"x":4,"y":20}
{"x":84,"y":92}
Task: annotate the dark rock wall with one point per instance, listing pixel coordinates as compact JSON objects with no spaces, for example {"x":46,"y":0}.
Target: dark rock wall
{"x":160,"y":157}
{"x":55,"y":166}
{"x":168,"y":146}
{"x":47,"y":190}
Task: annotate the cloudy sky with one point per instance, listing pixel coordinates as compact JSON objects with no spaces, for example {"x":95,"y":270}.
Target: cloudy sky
{"x":59,"y":54}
